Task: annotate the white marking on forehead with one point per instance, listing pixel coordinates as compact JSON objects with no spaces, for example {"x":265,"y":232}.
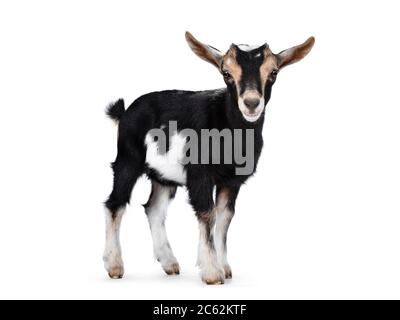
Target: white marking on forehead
{"x":168,"y":165}
{"x":258,"y":55}
{"x":247,"y":47}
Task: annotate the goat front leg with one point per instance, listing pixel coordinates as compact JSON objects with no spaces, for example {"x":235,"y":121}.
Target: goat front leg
{"x":200,"y":188}
{"x":226,"y":198}
{"x":211,"y":271}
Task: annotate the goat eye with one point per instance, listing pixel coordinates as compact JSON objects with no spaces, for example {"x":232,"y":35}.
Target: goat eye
{"x":273,"y":74}
{"x":226,"y":74}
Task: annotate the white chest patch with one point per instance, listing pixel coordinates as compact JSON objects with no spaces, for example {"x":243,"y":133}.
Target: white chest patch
{"x":168,"y":165}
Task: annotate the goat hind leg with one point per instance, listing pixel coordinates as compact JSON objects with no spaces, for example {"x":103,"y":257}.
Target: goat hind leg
{"x":112,"y":256}
{"x":125,"y":176}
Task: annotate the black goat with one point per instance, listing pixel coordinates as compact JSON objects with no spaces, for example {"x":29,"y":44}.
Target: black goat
{"x":249,"y":74}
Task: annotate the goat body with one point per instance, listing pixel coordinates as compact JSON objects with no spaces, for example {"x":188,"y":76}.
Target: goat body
{"x":249,"y":73}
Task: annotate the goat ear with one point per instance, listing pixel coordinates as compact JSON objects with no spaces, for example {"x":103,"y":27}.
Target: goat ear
{"x":295,"y":54}
{"x":205,"y":52}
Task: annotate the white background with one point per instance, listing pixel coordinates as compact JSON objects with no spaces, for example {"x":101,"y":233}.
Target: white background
{"x":319,"y":220}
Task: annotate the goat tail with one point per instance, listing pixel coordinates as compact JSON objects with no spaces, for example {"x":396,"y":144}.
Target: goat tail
{"x":116,"y":110}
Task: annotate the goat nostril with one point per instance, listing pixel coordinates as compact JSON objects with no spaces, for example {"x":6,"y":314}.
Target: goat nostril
{"x":251,"y":103}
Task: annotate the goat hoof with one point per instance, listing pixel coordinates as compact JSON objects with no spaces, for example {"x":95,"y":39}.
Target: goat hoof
{"x":116,"y":272}
{"x":172,"y":269}
{"x":213,"y":277}
{"x":228,"y":272}
{"x":213,"y":281}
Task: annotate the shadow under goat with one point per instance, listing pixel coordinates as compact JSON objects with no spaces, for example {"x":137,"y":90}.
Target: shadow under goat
{"x":249,"y":73}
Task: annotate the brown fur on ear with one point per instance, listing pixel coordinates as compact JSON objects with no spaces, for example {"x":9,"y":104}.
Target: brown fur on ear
{"x":295,"y":54}
{"x":204,"y":51}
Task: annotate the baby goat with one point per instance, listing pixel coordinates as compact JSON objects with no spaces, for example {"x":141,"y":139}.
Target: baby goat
{"x":249,"y":73}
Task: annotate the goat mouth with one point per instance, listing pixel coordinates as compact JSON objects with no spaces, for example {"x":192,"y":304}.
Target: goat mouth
{"x":251,"y":117}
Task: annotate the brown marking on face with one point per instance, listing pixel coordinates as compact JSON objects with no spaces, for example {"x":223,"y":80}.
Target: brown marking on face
{"x":270,"y":63}
{"x":230,"y":65}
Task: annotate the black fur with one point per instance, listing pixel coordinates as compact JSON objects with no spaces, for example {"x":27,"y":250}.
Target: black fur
{"x":195,"y":110}
{"x":250,"y":78}
{"x":249,"y":74}
{"x":116,"y":110}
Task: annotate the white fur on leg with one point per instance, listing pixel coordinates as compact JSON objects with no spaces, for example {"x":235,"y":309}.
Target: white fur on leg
{"x":112,"y":253}
{"x":156,"y":214}
{"x":222,"y":223}
{"x":211,"y":272}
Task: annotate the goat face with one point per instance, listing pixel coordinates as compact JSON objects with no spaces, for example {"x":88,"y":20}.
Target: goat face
{"x":249,"y":72}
